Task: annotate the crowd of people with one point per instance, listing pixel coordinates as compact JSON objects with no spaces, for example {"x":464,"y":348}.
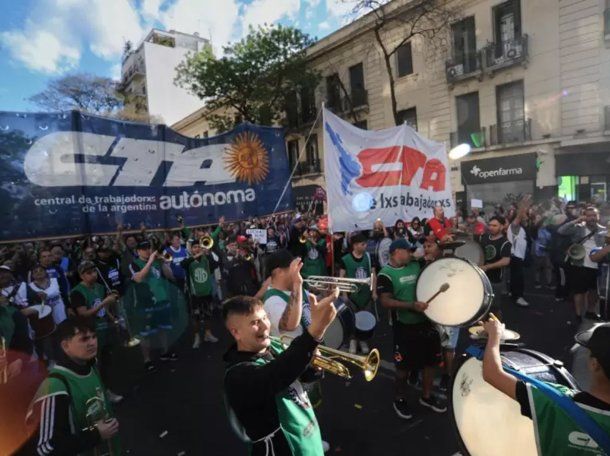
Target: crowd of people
{"x":69,"y":302}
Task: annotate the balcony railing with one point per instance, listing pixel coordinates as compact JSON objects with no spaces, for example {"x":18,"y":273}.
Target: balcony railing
{"x":511,"y":132}
{"x":475,"y":139}
{"x":307,"y":167}
{"x":506,"y":53}
{"x":134,"y":71}
{"x":467,"y":67}
{"x":358,"y":98}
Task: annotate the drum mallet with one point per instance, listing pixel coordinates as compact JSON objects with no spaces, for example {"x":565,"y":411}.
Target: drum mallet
{"x":444,"y":287}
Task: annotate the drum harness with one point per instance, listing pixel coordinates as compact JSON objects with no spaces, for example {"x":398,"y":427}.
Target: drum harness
{"x":586,"y":423}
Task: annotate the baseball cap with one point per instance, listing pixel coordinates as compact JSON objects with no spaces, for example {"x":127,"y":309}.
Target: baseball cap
{"x":401,"y":244}
{"x":142,"y":245}
{"x":280,"y":259}
{"x":597,"y":340}
{"x":85,"y":266}
{"x":6,"y":267}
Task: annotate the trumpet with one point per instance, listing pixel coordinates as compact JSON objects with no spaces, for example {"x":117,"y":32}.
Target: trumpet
{"x":119,"y":317}
{"x":333,"y":361}
{"x":4,"y":372}
{"x":344,"y":284}
{"x":303,"y":239}
{"x":206,"y":242}
{"x":167,"y":257}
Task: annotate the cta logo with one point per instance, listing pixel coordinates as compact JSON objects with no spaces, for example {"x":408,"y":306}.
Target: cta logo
{"x":486,"y":174}
{"x":582,"y":440}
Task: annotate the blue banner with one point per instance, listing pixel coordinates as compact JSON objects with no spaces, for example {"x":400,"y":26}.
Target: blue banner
{"x":71,"y":173}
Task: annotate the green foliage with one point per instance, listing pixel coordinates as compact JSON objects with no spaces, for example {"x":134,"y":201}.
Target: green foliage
{"x":253,"y":79}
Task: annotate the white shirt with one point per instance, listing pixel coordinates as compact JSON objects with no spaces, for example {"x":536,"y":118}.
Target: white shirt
{"x":589,"y":245}
{"x":519,"y":242}
{"x":275,"y":306}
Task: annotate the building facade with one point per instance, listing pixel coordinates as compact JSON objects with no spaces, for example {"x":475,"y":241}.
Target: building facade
{"x":148,"y":72}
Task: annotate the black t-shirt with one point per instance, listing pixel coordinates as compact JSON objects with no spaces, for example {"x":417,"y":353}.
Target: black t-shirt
{"x":494,"y":250}
{"x":581,"y":397}
{"x":109,"y":273}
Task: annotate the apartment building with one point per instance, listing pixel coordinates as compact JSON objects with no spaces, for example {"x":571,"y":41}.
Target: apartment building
{"x":148,"y":72}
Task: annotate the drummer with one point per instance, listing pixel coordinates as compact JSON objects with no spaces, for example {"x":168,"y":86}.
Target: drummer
{"x":358,"y":265}
{"x":556,"y":432}
{"x":416,"y":340}
{"x":497,"y":250}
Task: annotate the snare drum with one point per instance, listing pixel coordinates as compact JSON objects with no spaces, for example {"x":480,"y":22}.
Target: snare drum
{"x":341,"y":328}
{"x":42,"y":322}
{"x":471,"y":251}
{"x":480,"y":410}
{"x":468,"y":298}
{"x":365,"y":325}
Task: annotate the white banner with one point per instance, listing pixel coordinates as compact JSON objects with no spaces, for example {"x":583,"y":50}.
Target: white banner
{"x":258,"y":235}
{"x":388,"y":174}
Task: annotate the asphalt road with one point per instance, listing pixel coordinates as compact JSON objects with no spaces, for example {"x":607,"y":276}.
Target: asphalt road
{"x":179,"y":410}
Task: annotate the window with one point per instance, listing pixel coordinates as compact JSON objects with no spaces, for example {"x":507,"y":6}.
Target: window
{"x":409,"y":116}
{"x":465,"y":45}
{"x":507,"y":25}
{"x":311,"y":153}
{"x":333,"y":92}
{"x":362,"y":124}
{"x":404,"y":60}
{"x":467,"y":107}
{"x":511,"y":115}
{"x":308,"y":105}
{"x":292,"y":110}
{"x":356,"y":82}
{"x":293,"y":153}
{"x":206,"y":134}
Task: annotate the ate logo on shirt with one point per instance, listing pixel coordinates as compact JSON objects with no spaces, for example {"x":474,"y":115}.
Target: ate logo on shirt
{"x":581,"y":440}
{"x":200,"y":275}
{"x":361,"y":273}
{"x":490,"y":252}
{"x":408,"y":279}
{"x":155,"y":272}
{"x":313,"y":254}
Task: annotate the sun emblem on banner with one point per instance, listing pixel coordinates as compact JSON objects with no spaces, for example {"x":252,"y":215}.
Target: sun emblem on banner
{"x":247,"y":159}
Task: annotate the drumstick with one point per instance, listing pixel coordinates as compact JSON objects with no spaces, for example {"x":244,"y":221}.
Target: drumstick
{"x":444,"y":287}
{"x":493,"y":317}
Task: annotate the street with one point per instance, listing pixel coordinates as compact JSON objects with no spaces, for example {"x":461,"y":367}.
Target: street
{"x":179,"y":409}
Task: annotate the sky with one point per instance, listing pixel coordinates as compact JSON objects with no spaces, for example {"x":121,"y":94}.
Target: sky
{"x":44,"y":39}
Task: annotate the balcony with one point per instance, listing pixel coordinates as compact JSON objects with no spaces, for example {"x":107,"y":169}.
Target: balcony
{"x":308,"y":167}
{"x":476,"y":139}
{"x":359,"y":98}
{"x":133,"y":72}
{"x":467,"y":67}
{"x":506,"y":54}
{"x":516,"y":131}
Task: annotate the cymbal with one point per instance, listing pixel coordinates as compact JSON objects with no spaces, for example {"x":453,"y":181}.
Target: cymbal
{"x":477,"y":332}
{"x":451,"y":245}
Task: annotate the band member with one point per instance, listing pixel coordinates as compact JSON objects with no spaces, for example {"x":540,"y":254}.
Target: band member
{"x":47,"y":261}
{"x":314,"y":253}
{"x":108,"y":265}
{"x":582,"y":274}
{"x":70,"y":409}
{"x":199,"y":284}
{"x":178,"y":253}
{"x":151,"y":301}
{"x":416,"y":340}
{"x":439,"y":225}
{"x":297,"y":229}
{"x":358,"y":265}
{"x":496,"y":249}
{"x":556,"y":432}
{"x":267,"y":404}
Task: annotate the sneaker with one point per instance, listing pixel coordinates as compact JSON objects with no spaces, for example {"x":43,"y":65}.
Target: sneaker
{"x":522,"y":302}
{"x":325,"y":446}
{"x":169,"y":356}
{"x":444,"y":383}
{"x":149,"y":366}
{"x":402,"y":409}
{"x":209,"y":337}
{"x":364,"y":347}
{"x":353,"y":346}
{"x":113,"y":398}
{"x":433,"y":403}
{"x":197,"y":341}
{"x":413,"y":379}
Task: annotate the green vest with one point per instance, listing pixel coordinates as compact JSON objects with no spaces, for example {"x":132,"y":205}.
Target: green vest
{"x":359,"y":270}
{"x":313,"y":263}
{"x":154,"y":280}
{"x":556,"y":432}
{"x":7,"y":324}
{"x":93,"y":296}
{"x":200,"y":278}
{"x":297,"y":420}
{"x":88,"y":403}
{"x":403,"y":283}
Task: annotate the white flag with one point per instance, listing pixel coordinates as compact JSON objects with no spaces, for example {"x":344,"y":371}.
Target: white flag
{"x":388,"y":174}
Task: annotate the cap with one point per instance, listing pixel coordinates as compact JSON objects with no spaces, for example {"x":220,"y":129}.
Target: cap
{"x":597,"y":340}
{"x":142,"y":245}
{"x":280,"y":259}
{"x":6,"y":267}
{"x":85,"y":266}
{"x":241,"y":239}
{"x":401,"y":244}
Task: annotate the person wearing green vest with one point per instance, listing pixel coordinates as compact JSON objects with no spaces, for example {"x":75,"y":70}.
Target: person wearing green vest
{"x":70,"y":410}
{"x":265,"y":401}
{"x":358,"y":265}
{"x":314,"y":253}
{"x":556,"y":433}
{"x":151,"y":306}
{"x":199,"y":280}
{"x":416,"y":340}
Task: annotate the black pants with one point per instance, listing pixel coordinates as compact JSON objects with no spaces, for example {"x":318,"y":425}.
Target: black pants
{"x":560,"y":271}
{"x":517,"y":277}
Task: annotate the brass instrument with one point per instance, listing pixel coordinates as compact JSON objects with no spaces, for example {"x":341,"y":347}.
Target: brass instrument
{"x":344,"y":284}
{"x":332,"y":360}
{"x":96,"y":411}
{"x":303,"y":239}
{"x":206,"y":242}
{"x":4,"y":373}
{"x":576,"y":252}
{"x":167,"y":257}
{"x":121,"y":320}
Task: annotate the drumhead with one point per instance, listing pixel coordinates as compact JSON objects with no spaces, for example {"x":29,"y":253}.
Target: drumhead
{"x":340,"y":328}
{"x":46,"y":310}
{"x":365,"y":321}
{"x":462,"y":302}
{"x":470,"y":251}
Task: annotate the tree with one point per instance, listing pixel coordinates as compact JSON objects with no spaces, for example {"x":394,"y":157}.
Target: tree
{"x":84,"y":92}
{"x":254,"y":78}
{"x":428,"y":19}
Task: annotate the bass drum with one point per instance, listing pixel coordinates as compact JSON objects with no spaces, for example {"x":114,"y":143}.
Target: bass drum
{"x":341,"y":328}
{"x":488,"y":422}
{"x":467,"y":299}
{"x":470,"y":251}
